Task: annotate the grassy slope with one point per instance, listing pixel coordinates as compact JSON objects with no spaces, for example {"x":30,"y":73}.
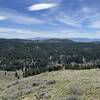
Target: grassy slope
{"x":7,"y":79}
{"x":60,"y":85}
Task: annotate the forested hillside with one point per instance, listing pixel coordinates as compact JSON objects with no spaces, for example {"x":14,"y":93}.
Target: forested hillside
{"x":34,"y":57}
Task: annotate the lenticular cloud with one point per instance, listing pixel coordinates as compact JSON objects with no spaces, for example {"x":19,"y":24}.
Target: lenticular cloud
{"x":41,"y":6}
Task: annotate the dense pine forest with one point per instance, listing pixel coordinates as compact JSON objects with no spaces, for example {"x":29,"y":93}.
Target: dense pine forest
{"x":34,"y":57}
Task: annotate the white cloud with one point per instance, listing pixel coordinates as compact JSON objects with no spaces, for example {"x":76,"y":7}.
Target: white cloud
{"x":41,"y":6}
{"x":2,"y":17}
{"x":25,"y":34}
{"x":94,"y":21}
{"x":88,"y":16}
{"x":86,"y":10}
{"x":17,"y":33}
{"x":65,"y":19}
{"x":95,"y":24}
{"x":23,"y":19}
{"x":15,"y":17}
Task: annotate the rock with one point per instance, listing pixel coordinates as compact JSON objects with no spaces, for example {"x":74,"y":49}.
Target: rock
{"x":50,"y":82}
{"x":41,"y":94}
{"x":38,"y":83}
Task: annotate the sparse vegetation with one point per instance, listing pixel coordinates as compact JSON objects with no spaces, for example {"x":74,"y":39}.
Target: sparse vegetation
{"x":59,"y":85}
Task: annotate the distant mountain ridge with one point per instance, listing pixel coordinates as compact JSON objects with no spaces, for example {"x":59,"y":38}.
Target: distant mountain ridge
{"x":72,"y":39}
{"x":84,"y":40}
{"x":38,"y":38}
{"x":41,"y":39}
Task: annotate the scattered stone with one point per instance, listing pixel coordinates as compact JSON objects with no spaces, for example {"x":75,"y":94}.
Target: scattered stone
{"x":50,"y":82}
{"x":42,"y":94}
{"x":38,"y":83}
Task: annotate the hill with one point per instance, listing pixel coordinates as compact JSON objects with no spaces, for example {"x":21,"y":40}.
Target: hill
{"x":35,"y":57}
{"x":59,"y":85}
{"x":84,"y":40}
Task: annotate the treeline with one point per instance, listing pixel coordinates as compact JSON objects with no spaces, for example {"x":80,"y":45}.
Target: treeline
{"x":53,"y":67}
{"x":34,"y":57}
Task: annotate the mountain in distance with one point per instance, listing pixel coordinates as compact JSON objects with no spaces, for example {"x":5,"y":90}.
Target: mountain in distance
{"x":38,"y":38}
{"x":84,"y":40}
{"x":51,"y":40}
{"x":59,"y":39}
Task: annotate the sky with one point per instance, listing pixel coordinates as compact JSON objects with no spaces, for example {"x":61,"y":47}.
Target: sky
{"x":26,"y":19}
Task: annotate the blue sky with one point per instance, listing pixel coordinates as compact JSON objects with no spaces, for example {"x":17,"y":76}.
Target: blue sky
{"x":50,"y":18}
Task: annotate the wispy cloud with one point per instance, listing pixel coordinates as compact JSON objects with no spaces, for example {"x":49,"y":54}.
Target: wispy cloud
{"x":2,"y":17}
{"x":41,"y":6}
{"x":17,"y":33}
{"x":85,"y":10}
{"x":95,"y":24}
{"x":68,"y":20}
{"x":24,"y":19}
{"x":19,"y":18}
{"x":94,"y":21}
{"x":84,"y":16}
{"x":25,"y":34}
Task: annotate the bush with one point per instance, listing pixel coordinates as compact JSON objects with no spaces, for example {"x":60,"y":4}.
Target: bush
{"x":74,"y":90}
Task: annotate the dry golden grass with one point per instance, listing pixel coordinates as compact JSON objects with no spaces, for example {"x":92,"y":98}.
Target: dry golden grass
{"x":7,"y":78}
{"x":60,"y":85}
